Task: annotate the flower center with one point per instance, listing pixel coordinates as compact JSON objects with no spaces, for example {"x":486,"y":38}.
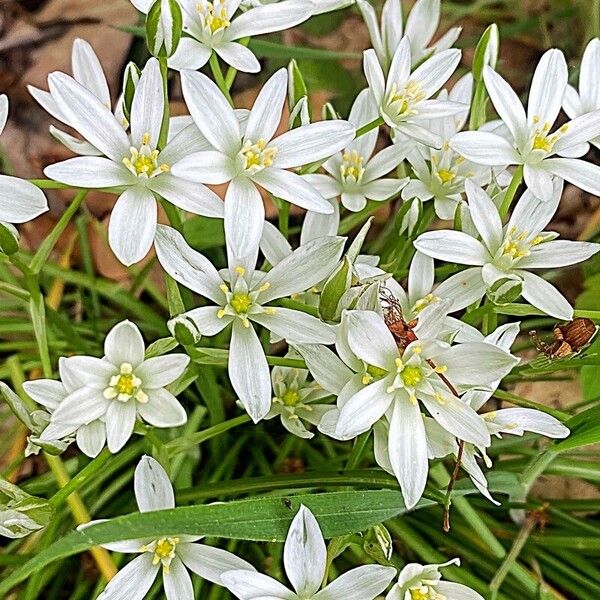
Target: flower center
{"x":125,"y":386}
{"x":541,"y":139}
{"x":163,"y":550}
{"x":257,"y":156}
{"x":411,"y":375}
{"x":352,"y":168}
{"x":424,"y":302}
{"x":143,"y":162}
{"x":291,"y":397}
{"x":400,"y":102}
{"x":425,"y":592}
{"x":446,"y":176}
{"x":213,"y":15}
{"x":517,"y":244}
{"x":241,"y":303}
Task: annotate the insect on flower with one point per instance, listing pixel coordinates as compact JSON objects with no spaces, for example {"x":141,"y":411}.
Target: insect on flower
{"x":394,"y":319}
{"x":569,"y":338}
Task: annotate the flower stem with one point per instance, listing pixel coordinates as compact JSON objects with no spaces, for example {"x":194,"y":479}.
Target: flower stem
{"x":232,"y":71}
{"x":368,"y":127}
{"x":218,"y":75}
{"x":511,"y":190}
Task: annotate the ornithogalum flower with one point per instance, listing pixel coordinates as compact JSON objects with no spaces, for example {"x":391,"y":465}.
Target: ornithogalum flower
{"x":131,"y":163}
{"x":355,"y":174}
{"x":241,"y":297}
{"x":254,"y":157}
{"x":296,"y":399}
{"x":216,"y":25}
{"x":403,"y":98}
{"x":424,"y":582}
{"x":117,"y":389}
{"x":305,"y":561}
{"x":427,"y":372}
{"x":542,"y":152}
{"x":421,"y":25}
{"x":505,"y":254}
{"x":174,"y":555}
{"x":587,"y":100}
{"x":20,"y":200}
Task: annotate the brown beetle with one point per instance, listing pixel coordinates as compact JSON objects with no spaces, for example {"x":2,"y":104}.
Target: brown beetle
{"x":569,"y":338}
{"x":394,"y":319}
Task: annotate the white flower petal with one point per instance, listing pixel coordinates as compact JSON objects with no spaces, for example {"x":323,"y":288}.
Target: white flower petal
{"x":206,"y":320}
{"x":88,"y":71}
{"x":580,"y":130}
{"x":190,"y":54}
{"x":364,"y":409}
{"x":475,"y":363}
{"x":572,"y":104}
{"x":208,"y":166}
{"x":177,"y":582}
{"x":326,"y":185}
{"x":370,"y":339}
{"x":589,"y":76}
{"x":210,"y":563}
{"x":421,"y":275}
{"x":463,"y":288}
{"x":310,"y":143}
{"x":363,"y":583}
{"x":558,"y":253}
{"x":527,"y":419}
{"x":306,"y":266}
{"x":20,"y":200}
{"x":162,"y":409}
{"x":249,"y":585}
{"x":318,"y":225}
{"x":273,"y":244}
{"x":305,"y":554}
{"x":458,"y":418}
{"x":484,"y":148}
{"x":46,"y":101}
{"x":580,"y":173}
{"x":124,"y":344}
{"x":244,"y":222}
{"x":4,"y":110}
{"x":192,"y":197}
{"x":296,"y":327}
{"x":400,"y":66}
{"x":132,"y":225}
{"x":159,"y":371}
{"x":47,"y":392}
{"x":363,"y":111}
{"x":187,"y":266}
{"x":457,"y":590}
{"x":383,"y":189}
{"x":153,"y":489}
{"x":383,"y":162}
{"x":408,"y":450}
{"x":74,"y":144}
{"x":545,"y":296}
{"x":374,"y":75}
{"x":90,"y":172}
{"x":547,"y":88}
{"x":435,"y":71}
{"x":148,"y":105}
{"x":485,"y":216}
{"x":266,"y":112}
{"x":452,"y":246}
{"x":205,"y":102}
{"x":91,"y":438}
{"x":271,"y":17}
{"x":538,"y":181}
{"x":81,"y":371}
{"x":120,"y":420}
{"x":89,"y":116}
{"x":81,"y":407}
{"x":133,"y":581}
{"x":507,"y":104}
{"x":249,"y":371}
{"x":327,"y":369}
{"x":238,"y":56}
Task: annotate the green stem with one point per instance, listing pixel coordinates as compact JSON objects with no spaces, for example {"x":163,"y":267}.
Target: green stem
{"x":164,"y":127}
{"x":509,"y":195}
{"x":195,"y":439}
{"x":43,"y":252}
{"x":218,"y":75}
{"x":284,"y":218}
{"x":232,"y":71}
{"x":368,"y":127}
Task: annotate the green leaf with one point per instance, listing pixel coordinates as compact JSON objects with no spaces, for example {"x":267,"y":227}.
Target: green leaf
{"x":265,"y":49}
{"x":334,"y":289}
{"x":203,"y":233}
{"x":161,"y":346}
{"x":258,"y":519}
{"x":585,"y":429}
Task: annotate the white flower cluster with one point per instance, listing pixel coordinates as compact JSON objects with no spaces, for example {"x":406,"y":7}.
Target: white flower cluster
{"x":370,"y":354}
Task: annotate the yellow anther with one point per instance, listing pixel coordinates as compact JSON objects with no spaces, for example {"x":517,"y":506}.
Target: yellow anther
{"x":246,"y":323}
{"x":223,"y":287}
{"x":440,"y":398}
{"x":264,"y":287}
{"x":351,"y":168}
{"x":398,"y":362}
{"x":366,"y":379}
{"x":413,"y":399}
{"x":257,"y":156}
{"x":221,"y":313}
{"x":441,"y":369}
{"x":446,"y":176}
{"x":240,"y":271}
{"x":417,"y":350}
{"x":146,"y":139}
{"x":270,"y":310}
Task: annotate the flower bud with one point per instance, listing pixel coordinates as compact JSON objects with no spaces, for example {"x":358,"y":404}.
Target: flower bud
{"x":486,"y":51}
{"x":131,"y":77}
{"x":505,"y":290}
{"x":164,"y":25}
{"x":409,"y":216}
{"x":21,"y":513}
{"x":378,"y":544}
{"x":184,"y":330}
{"x":9,"y":238}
